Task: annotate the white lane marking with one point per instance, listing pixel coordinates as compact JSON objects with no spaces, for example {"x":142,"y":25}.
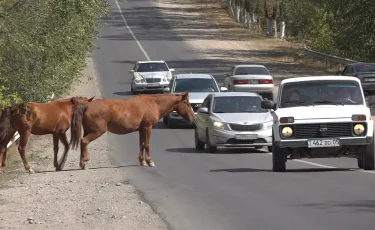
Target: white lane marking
{"x":327,"y":166}
{"x":131,"y":32}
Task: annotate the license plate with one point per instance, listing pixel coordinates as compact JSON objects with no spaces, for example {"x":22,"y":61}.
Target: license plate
{"x":254,"y":81}
{"x":246,"y":136}
{"x":153,"y":84}
{"x":316,"y":143}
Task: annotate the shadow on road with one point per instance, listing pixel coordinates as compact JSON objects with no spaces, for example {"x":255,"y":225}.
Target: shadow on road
{"x":349,"y":206}
{"x":239,"y":170}
{"x":221,"y":151}
{"x":79,"y":169}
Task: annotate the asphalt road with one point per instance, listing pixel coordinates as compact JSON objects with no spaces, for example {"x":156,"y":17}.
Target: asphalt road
{"x":229,"y":189}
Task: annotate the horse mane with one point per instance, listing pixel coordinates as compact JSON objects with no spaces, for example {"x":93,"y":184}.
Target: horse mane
{"x":22,"y":109}
{"x":5,"y":122}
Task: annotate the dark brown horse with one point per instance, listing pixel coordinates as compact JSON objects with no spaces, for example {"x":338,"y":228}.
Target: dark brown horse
{"x":6,"y":134}
{"x":46,"y":118}
{"x":139,"y":113}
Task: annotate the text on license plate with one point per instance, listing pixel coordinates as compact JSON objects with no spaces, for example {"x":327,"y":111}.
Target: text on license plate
{"x":246,"y":136}
{"x":323,"y":143}
{"x":153,"y":84}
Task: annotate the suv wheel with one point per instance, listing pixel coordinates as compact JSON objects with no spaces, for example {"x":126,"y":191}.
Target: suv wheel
{"x":199,"y":145}
{"x":368,"y":156}
{"x":278,"y":158}
{"x":209,"y":147}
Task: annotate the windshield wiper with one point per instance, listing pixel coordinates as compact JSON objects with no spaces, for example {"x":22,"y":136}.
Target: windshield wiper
{"x":299,"y":103}
{"x":327,"y":102}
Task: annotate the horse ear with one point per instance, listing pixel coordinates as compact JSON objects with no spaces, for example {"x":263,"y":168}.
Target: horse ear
{"x":91,"y":99}
{"x":185,"y":96}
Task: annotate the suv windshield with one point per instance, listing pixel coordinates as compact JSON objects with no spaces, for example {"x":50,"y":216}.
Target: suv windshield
{"x":237,"y":104}
{"x":251,"y":71}
{"x":151,"y":67}
{"x":311,"y":93}
{"x":365,"y":67}
{"x":195,"y":85}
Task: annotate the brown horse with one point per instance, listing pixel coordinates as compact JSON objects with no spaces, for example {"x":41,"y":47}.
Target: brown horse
{"x":46,"y":118}
{"x":139,"y":113}
{"x":6,"y":134}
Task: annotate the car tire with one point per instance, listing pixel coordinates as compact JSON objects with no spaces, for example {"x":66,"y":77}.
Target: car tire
{"x":368,"y":156}
{"x":165,"y":120}
{"x":360,"y":162}
{"x":170,"y":124}
{"x":278,"y":158}
{"x":199,"y":145}
{"x":269,"y":149}
{"x":209,"y":147}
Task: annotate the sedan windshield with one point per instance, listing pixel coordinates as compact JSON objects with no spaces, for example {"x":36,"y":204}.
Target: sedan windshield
{"x":237,"y":104}
{"x":195,"y":85}
{"x":365,"y":68}
{"x":151,"y":67}
{"x":251,"y":71}
{"x":321,"y":92}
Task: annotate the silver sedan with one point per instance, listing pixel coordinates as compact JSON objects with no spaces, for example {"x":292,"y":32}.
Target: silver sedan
{"x":233,"y":119}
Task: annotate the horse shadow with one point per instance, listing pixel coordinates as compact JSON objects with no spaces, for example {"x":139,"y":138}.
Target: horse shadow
{"x":124,"y":93}
{"x":79,"y":169}
{"x":221,"y":151}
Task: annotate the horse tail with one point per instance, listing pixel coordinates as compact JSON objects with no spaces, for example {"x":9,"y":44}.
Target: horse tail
{"x":5,"y":125}
{"x":75,"y":129}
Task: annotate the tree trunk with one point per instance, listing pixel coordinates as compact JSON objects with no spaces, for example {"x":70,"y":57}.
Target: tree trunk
{"x":274,"y":28}
{"x":282,"y":30}
{"x":268,"y":27}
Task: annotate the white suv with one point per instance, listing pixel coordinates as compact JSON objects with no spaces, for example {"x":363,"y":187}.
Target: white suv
{"x":321,"y":117}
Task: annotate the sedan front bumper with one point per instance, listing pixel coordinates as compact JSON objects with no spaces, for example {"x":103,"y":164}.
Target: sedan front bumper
{"x":150,"y":87}
{"x":231,"y":138}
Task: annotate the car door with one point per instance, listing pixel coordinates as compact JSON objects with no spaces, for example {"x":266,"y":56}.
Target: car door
{"x":201,"y":121}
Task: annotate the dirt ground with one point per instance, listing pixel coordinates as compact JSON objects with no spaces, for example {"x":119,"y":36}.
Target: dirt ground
{"x":100,"y":197}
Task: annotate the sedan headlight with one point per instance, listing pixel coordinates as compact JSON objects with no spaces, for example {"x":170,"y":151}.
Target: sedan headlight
{"x":218,"y":125}
{"x":359,"y":129}
{"x":169,"y":76}
{"x":287,"y":131}
{"x":138,"y":78}
{"x":268,"y":125}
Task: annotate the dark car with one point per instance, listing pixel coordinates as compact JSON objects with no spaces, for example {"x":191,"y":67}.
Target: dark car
{"x":365,"y":72}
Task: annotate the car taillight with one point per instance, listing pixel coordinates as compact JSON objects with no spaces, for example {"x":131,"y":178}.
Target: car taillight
{"x":356,"y":76}
{"x":239,"y":82}
{"x":265,"y":81}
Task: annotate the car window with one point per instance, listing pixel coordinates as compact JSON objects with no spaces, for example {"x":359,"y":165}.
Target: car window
{"x":195,"y":85}
{"x":237,"y":104}
{"x":251,"y":71}
{"x":151,"y":67}
{"x":348,"y":70}
{"x":206,"y":103}
{"x":365,"y":67}
{"x":320,"y":92}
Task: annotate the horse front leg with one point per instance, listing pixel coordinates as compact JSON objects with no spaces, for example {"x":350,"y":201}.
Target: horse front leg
{"x":147,"y":136}
{"x":141,"y":148}
{"x":24,"y":137}
{"x":3,"y":157}
{"x":55,"y":150}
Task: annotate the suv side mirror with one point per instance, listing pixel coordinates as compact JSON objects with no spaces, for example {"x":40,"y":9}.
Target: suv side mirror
{"x":171,"y":70}
{"x":131,"y":71}
{"x":223,"y":89}
{"x":267,"y":104}
{"x":203,"y":110}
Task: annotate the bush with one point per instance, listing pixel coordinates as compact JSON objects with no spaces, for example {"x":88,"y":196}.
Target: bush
{"x":43,"y":45}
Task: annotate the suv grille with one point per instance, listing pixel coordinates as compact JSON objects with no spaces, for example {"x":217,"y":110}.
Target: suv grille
{"x":238,"y":127}
{"x":152,"y":80}
{"x":195,"y":106}
{"x":332,"y":130}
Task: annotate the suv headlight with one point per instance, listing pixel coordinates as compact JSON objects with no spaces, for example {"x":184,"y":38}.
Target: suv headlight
{"x":359,"y":129}
{"x":287,"y":131}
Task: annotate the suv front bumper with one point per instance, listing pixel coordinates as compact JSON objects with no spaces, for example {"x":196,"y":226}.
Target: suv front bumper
{"x":298,"y":143}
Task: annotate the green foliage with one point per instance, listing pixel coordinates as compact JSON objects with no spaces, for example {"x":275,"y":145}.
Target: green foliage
{"x":43,"y":45}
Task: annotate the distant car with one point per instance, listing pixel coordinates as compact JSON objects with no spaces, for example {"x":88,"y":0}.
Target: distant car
{"x":233,"y":119}
{"x":365,"y":72}
{"x":198,"y":86}
{"x":150,"y":76}
{"x":250,"y":78}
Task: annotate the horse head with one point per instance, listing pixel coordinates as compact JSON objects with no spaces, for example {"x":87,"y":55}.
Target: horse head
{"x":184,"y":109}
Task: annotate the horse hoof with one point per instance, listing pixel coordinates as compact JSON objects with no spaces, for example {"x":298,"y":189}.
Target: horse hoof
{"x":31,"y":170}
{"x":58,"y":169}
{"x":151,"y":164}
{"x":82,"y":165}
{"x":143,"y":163}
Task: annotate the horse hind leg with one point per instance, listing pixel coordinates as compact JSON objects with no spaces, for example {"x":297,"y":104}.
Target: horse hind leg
{"x":141,"y":148}
{"x":55,"y":150}
{"x":147,"y":134}
{"x":84,"y":143}
{"x":3,"y":157}
{"x":63,"y":159}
